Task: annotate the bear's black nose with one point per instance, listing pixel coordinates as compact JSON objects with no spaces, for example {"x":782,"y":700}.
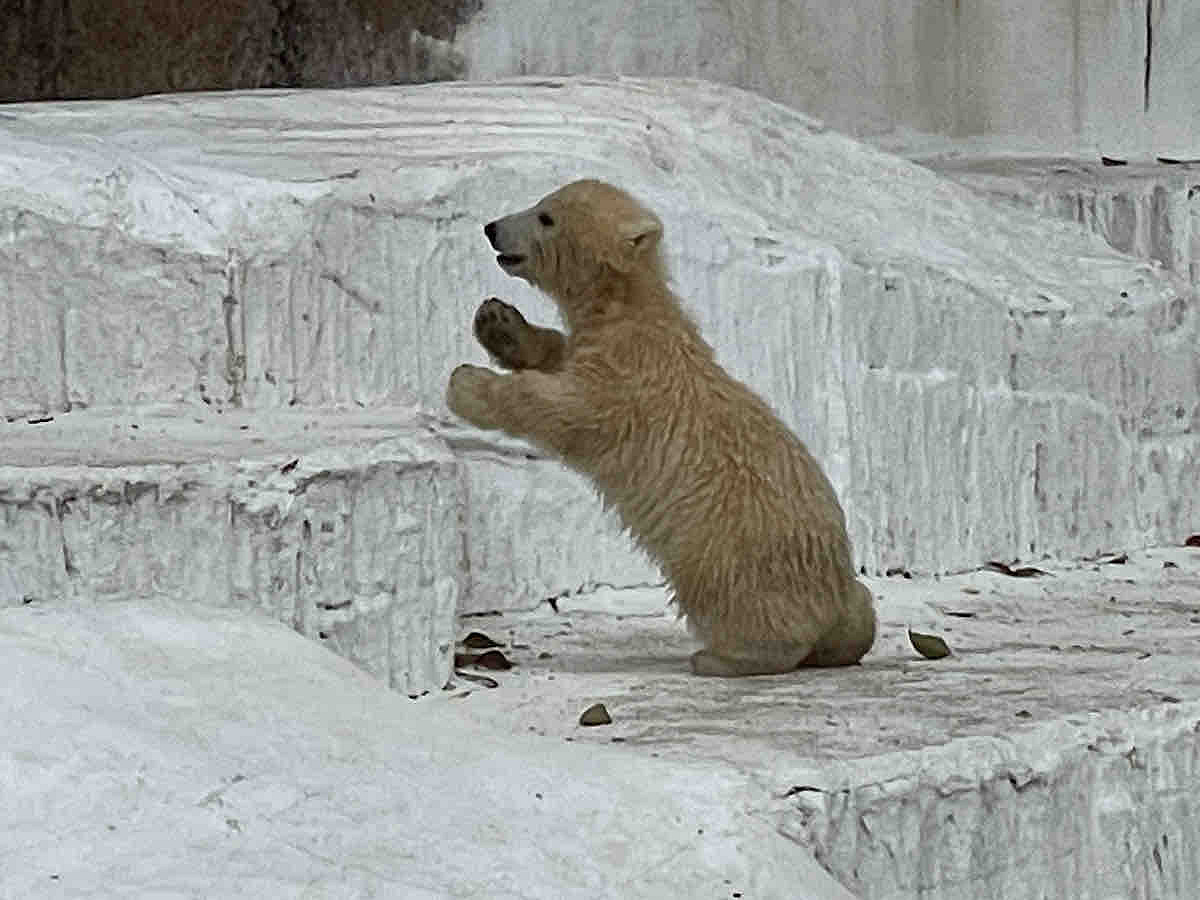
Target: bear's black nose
{"x":490,"y":230}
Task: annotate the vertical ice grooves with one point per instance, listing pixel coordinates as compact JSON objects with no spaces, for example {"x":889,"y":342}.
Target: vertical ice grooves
{"x":235,"y":359}
{"x":59,"y":510}
{"x":300,"y":606}
{"x":293,"y":347}
{"x":64,"y":391}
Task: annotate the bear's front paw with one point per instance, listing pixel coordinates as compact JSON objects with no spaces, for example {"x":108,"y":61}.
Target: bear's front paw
{"x":500,"y":327}
{"x":467,"y":395}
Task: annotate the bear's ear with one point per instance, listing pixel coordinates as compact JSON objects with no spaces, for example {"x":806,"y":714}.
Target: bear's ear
{"x":640,"y":236}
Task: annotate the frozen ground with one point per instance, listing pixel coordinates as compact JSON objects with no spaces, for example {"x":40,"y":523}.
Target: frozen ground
{"x":169,"y":750}
{"x":1053,"y":755}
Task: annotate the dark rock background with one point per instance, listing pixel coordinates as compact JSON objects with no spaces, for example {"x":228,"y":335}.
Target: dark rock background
{"x":62,"y":49}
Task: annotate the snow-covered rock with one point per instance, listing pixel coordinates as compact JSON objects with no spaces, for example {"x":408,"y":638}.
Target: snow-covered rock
{"x":1150,"y":210}
{"x":345,"y":527}
{"x":979,"y":381}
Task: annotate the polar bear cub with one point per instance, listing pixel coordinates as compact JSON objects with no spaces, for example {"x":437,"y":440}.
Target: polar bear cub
{"x":707,"y":479}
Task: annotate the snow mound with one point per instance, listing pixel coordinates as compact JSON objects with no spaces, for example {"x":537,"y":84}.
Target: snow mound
{"x":170,"y":751}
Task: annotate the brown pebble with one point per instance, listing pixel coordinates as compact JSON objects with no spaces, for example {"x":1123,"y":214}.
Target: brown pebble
{"x":596,"y":714}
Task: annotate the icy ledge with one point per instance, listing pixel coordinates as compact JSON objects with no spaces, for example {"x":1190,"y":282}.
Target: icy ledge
{"x":344,"y":526}
{"x":1055,"y":755}
{"x":1096,"y":805}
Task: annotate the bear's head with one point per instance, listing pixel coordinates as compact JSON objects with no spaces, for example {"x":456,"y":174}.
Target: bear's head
{"x":583,"y":237}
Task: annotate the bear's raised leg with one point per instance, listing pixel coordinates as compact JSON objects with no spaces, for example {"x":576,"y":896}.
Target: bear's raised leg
{"x":515,"y":344}
{"x":543,"y":407}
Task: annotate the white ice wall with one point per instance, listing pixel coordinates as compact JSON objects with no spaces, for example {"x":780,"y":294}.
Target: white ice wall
{"x":535,"y":530}
{"x":1059,"y":74}
{"x":979,"y":381}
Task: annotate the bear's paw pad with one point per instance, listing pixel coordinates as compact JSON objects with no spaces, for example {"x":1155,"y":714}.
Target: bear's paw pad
{"x":498,"y":327}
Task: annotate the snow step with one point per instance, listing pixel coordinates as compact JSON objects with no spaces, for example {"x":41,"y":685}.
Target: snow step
{"x":344,"y":525}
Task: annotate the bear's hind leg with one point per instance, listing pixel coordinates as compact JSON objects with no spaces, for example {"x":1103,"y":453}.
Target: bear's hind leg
{"x":515,"y":344}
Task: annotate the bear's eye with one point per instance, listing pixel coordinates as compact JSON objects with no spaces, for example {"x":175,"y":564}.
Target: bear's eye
{"x":546,"y":220}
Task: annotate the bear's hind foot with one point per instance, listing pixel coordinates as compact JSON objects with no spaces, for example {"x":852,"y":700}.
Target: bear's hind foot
{"x":767,"y":661}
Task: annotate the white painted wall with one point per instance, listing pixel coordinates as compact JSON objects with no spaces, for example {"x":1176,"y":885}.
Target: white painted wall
{"x":1050,"y":74}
